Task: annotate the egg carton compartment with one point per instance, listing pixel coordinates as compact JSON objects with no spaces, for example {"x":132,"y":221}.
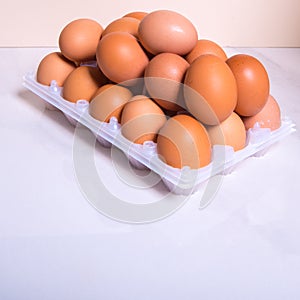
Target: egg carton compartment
{"x":179,"y":181}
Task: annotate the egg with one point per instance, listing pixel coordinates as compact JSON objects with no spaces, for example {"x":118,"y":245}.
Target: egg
{"x":136,"y":14}
{"x":108,"y":102}
{"x":252,"y":83}
{"x":78,"y":40}
{"x":206,"y":47}
{"x":125,"y":24}
{"x":210,"y":90}
{"x":121,"y":58}
{"x":183,"y":141}
{"x":54,"y":66}
{"x":164,"y":77}
{"x":141,"y":119}
{"x":82,"y":83}
{"x":268,"y":117}
{"x":167,"y":31}
{"x":230,"y":132}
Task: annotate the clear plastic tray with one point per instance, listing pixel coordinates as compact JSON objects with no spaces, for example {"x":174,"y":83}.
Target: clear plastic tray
{"x":179,"y":181}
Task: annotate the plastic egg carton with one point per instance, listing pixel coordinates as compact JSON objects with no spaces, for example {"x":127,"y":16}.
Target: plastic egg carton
{"x":179,"y":181}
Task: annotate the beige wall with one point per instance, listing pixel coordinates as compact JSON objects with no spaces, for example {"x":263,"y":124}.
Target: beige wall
{"x":272,"y":23}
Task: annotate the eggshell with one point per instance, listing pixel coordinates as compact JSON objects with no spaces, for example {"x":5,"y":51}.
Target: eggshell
{"x":79,"y":39}
{"x":167,"y":31}
{"x":164,"y":77}
{"x":54,"y":66}
{"x":108,"y":102}
{"x":230,"y":132}
{"x":136,"y":14}
{"x":141,"y":119}
{"x":206,"y":47}
{"x":210,"y":90}
{"x":252,"y":83}
{"x":183,"y":141}
{"x":121,"y":58}
{"x":125,"y":24}
{"x":82,"y":83}
{"x":268,"y":117}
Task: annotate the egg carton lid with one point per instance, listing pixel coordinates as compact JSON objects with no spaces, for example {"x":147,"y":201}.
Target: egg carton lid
{"x":181,"y":181}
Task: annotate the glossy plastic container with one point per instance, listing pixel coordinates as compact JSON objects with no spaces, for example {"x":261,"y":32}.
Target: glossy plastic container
{"x":179,"y":181}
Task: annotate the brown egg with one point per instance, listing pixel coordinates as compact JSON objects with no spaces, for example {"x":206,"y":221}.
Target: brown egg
{"x":167,"y":31}
{"x":183,"y":141}
{"x":268,"y":117}
{"x":230,"y":132}
{"x":54,"y":66}
{"x":82,"y":83}
{"x":79,"y":39}
{"x":210,"y":90}
{"x":252,"y":83}
{"x":136,"y":14}
{"x":125,"y":24}
{"x":206,"y":47}
{"x":164,"y":77}
{"x":121,"y":58}
{"x":141,"y":119}
{"x":108,"y":102}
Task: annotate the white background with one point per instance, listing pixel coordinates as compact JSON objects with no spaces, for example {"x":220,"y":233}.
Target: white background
{"x":55,"y":245}
{"x":255,"y":23}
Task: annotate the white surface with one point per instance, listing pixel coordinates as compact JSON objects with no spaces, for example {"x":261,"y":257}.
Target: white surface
{"x":55,"y":245}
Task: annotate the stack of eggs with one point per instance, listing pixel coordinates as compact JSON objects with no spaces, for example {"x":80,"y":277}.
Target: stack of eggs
{"x":163,"y":84}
